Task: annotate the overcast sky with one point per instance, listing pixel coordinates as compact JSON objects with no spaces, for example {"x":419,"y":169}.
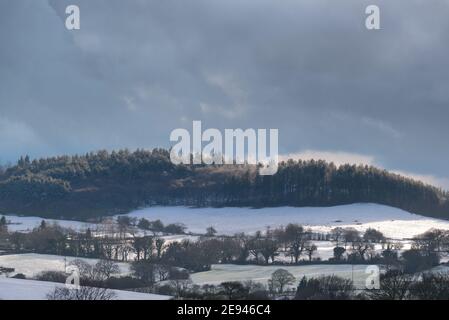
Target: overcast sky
{"x":136,"y":70}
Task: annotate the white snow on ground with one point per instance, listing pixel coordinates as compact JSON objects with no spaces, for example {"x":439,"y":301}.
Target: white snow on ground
{"x":393,"y":222}
{"x":325,"y":250}
{"x":30,"y":264}
{"x":443,"y":269}
{"x":229,"y":272}
{"x":17,"y":289}
{"x":179,"y":238}
{"x":394,"y":229}
{"x":27,"y":224}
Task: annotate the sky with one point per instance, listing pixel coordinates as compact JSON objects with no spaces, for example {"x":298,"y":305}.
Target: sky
{"x":138,"y":69}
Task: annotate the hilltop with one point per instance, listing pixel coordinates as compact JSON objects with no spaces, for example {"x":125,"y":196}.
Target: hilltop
{"x":107,"y":183}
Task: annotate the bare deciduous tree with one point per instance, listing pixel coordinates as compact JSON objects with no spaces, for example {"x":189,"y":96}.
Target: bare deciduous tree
{"x":83,"y":293}
{"x":310,"y":249}
{"x":394,"y":285}
{"x":280,"y":279}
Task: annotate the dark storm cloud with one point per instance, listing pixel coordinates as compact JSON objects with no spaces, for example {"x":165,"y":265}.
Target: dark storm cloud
{"x":138,"y":69}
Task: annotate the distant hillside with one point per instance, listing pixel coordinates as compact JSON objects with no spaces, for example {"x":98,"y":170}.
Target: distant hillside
{"x":104,"y":183}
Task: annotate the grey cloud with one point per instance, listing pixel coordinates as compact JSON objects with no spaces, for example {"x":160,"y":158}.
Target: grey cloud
{"x":138,"y":69}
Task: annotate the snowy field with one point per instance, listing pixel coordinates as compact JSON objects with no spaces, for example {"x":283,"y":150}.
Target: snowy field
{"x":30,"y":264}
{"x":325,"y":250}
{"x":229,"y":272}
{"x":17,"y":289}
{"x":27,"y":224}
{"x":394,"y":223}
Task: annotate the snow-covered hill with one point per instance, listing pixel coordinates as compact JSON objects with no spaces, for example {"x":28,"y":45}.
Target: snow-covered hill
{"x":18,"y":289}
{"x":229,"y":272}
{"x":393,"y":222}
{"x":31,"y":264}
